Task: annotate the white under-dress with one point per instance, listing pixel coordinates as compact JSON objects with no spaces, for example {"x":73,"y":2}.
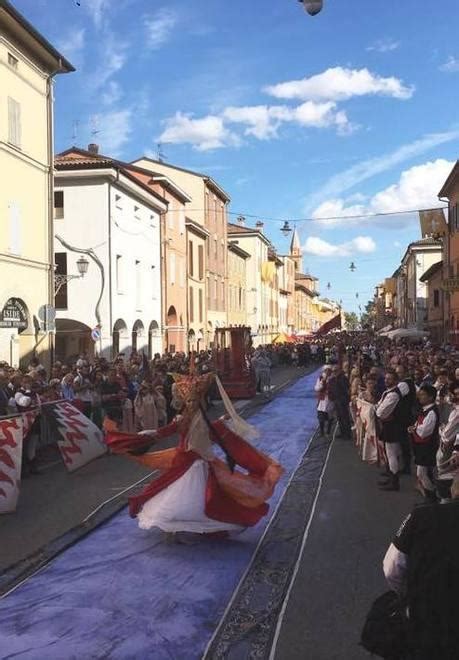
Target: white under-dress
{"x":181,"y":506}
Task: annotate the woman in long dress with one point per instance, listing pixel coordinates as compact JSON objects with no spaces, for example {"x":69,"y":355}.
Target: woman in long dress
{"x":198,"y":491}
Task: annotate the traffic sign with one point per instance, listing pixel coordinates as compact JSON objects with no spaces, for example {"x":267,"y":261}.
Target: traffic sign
{"x":96,"y":333}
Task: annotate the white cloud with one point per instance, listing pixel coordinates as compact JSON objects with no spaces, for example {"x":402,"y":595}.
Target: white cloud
{"x":72,"y":45}
{"x":340,"y":84}
{"x":261,"y":121}
{"x":417,"y":188}
{"x":451,"y":65}
{"x":112,"y":93}
{"x":159,"y":27}
{"x":96,"y":9}
{"x":203,"y":134}
{"x":320,"y":248}
{"x":386,"y":45}
{"x":344,"y":181}
{"x":115,"y":130}
{"x":264,"y":121}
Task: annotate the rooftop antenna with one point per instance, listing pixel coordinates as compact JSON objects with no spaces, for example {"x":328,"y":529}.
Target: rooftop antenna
{"x":160,"y":155}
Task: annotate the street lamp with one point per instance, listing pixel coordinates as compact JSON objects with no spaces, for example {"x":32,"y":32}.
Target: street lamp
{"x":312,"y":7}
{"x":60,"y":280}
{"x":286,"y":229}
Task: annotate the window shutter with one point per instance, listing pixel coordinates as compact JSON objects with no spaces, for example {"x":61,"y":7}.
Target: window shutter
{"x":14,"y":122}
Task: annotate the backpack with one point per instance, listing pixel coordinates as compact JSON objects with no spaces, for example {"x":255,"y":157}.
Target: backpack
{"x":385,"y":630}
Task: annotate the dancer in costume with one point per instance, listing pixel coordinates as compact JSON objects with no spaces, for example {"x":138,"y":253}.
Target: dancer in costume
{"x":197,"y":491}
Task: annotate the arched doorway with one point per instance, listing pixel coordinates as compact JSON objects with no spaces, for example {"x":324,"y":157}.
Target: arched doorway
{"x":191,"y":340}
{"x":120,"y":337}
{"x":137,"y":336}
{"x":199,"y":339}
{"x":16,"y":332}
{"x":73,"y":339}
{"x":154,"y":340}
{"x":172,"y":330}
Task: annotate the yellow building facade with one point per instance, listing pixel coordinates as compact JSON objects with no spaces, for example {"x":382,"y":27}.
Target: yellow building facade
{"x":27,"y":66}
{"x":237,"y":282}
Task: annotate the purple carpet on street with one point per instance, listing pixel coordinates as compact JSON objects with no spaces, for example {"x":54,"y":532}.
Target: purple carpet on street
{"x":123,"y":593}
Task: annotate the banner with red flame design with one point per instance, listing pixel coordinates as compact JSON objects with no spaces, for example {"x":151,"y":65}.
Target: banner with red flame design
{"x":79,"y":440}
{"x":13,"y":430}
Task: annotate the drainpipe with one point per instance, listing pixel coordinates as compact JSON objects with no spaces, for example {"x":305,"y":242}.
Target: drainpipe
{"x":446,"y":264}
{"x":50,"y":135}
{"x":110,"y":283}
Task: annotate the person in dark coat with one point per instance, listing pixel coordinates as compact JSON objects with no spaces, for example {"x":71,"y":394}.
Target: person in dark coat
{"x":422,"y":565}
{"x":339,"y":394}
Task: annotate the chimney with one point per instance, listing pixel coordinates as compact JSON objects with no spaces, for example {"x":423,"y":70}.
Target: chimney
{"x":259,"y":225}
{"x":93,"y":149}
{"x":241,"y":220}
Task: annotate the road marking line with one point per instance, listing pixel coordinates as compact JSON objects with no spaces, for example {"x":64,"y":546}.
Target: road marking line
{"x":280,"y":620}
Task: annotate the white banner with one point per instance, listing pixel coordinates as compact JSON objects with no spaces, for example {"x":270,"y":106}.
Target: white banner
{"x":79,"y":440}
{"x":13,"y":430}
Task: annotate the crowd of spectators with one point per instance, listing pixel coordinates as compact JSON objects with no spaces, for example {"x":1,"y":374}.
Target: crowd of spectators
{"x":412,"y":392}
{"x":129,"y":393}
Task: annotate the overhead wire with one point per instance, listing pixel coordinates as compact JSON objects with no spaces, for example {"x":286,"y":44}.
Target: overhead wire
{"x":358,"y":216}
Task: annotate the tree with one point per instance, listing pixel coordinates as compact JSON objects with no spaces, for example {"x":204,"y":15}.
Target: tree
{"x":367,"y":319}
{"x":352,"y":321}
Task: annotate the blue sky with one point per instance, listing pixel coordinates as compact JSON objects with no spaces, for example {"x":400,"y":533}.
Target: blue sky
{"x":350,"y":112}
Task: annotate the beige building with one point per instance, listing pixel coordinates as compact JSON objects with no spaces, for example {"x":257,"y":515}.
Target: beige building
{"x":305,"y":314}
{"x":197,"y":239}
{"x":287,"y":295}
{"x":237,"y":282}
{"x":257,"y":245}
{"x":28,"y":64}
{"x":208,"y":208}
{"x":433,"y":278}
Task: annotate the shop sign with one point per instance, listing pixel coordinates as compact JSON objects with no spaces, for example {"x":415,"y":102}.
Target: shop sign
{"x":14,"y":314}
{"x":451,"y":284}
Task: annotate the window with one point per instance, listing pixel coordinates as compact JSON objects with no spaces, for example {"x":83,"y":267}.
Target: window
{"x":58,"y":204}
{"x":137,"y":212}
{"x":119,"y":276}
{"x":138,"y":286}
{"x":215,"y":247}
{"x":172,"y":267}
{"x":190,"y":258}
{"x":61,"y":299}
{"x":118,"y":202}
{"x":200,"y":306}
{"x":153,"y":221}
{"x":436,"y":298}
{"x":14,"y":122}
{"x":182,"y":272}
{"x":191,"y":305}
{"x":201,"y":261}
{"x":13,"y":61}
{"x":14,"y":218}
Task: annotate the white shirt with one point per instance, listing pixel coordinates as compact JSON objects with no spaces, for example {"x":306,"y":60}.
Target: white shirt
{"x":323,"y":405}
{"x":426,"y":427}
{"x":451,"y":428}
{"x":390,"y":399}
